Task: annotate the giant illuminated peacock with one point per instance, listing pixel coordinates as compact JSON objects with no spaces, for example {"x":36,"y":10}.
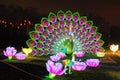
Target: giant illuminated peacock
{"x":68,"y":37}
{"x":65,"y":32}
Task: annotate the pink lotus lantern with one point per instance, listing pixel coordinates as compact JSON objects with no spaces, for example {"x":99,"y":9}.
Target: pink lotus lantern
{"x":79,"y":66}
{"x":79,"y":54}
{"x":92,"y":62}
{"x":20,"y":56}
{"x":55,"y":58}
{"x":61,"y":55}
{"x":10,"y":52}
{"x":54,"y":69}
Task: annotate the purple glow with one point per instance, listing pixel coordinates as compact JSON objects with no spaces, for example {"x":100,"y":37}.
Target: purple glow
{"x":55,"y":58}
{"x":92,"y":62}
{"x":79,"y":66}
{"x":61,"y":55}
{"x":20,"y":56}
{"x":80,"y":54}
{"x":10,"y":51}
{"x":55,"y":68}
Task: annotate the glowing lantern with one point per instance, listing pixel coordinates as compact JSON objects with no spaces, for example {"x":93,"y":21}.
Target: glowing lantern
{"x":100,"y":54}
{"x":27,"y":51}
{"x":61,"y":55}
{"x":54,"y":69}
{"x":79,"y":66}
{"x":55,"y":58}
{"x":114,"y":48}
{"x":92,"y":62}
{"x":80,"y":54}
{"x":20,"y":56}
{"x":10,"y":52}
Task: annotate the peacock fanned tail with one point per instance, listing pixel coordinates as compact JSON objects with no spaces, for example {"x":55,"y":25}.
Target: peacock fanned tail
{"x":50,"y":34}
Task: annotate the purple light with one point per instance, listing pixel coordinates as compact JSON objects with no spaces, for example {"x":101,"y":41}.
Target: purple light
{"x":20,"y":56}
{"x":55,"y":58}
{"x":79,"y":66}
{"x":61,"y":55}
{"x":92,"y":62}
{"x":10,"y":51}
{"x":80,"y":54}
{"x":55,"y":68}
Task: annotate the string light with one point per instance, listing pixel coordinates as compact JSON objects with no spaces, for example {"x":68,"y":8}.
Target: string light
{"x":24,"y":23}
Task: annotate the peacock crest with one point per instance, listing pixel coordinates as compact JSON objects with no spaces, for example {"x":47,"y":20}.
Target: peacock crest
{"x":65,"y":32}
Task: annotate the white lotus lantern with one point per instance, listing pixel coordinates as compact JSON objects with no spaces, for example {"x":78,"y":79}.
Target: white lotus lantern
{"x":114,"y":48}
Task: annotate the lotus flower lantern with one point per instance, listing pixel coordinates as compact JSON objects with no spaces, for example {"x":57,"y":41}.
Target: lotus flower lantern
{"x":10,"y":52}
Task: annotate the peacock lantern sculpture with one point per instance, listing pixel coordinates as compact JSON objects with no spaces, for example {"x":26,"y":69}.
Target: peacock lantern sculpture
{"x":67,"y":37}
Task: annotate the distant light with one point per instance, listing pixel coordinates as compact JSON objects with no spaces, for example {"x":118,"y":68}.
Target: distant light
{"x":3,"y":21}
{"x":25,"y":20}
{"x":29,"y":22}
{"x":18,"y":27}
{"x":24,"y":24}
{"x":21,"y":24}
{"x":10,"y":23}
{"x":114,"y":48}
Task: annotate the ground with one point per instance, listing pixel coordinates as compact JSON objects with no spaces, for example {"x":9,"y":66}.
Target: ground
{"x":33,"y":68}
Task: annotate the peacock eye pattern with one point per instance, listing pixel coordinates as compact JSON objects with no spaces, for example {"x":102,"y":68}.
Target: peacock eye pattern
{"x":52,"y":32}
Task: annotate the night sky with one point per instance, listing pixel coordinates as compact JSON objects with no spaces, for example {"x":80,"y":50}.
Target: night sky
{"x":107,"y":9}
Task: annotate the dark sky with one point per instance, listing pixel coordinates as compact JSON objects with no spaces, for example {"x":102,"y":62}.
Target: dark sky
{"x":108,"y":9}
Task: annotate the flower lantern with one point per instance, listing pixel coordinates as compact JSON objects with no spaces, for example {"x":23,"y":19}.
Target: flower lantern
{"x":55,"y":58}
{"x":61,"y":55}
{"x":79,"y":66}
{"x":10,"y":52}
{"x":100,"y":54}
{"x":54,"y":69}
{"x":27,"y":51}
{"x":79,"y":54}
{"x":92,"y":62}
{"x":114,"y":48}
{"x":20,"y":56}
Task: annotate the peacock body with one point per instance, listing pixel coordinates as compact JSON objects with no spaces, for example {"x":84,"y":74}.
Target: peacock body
{"x":65,"y":32}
